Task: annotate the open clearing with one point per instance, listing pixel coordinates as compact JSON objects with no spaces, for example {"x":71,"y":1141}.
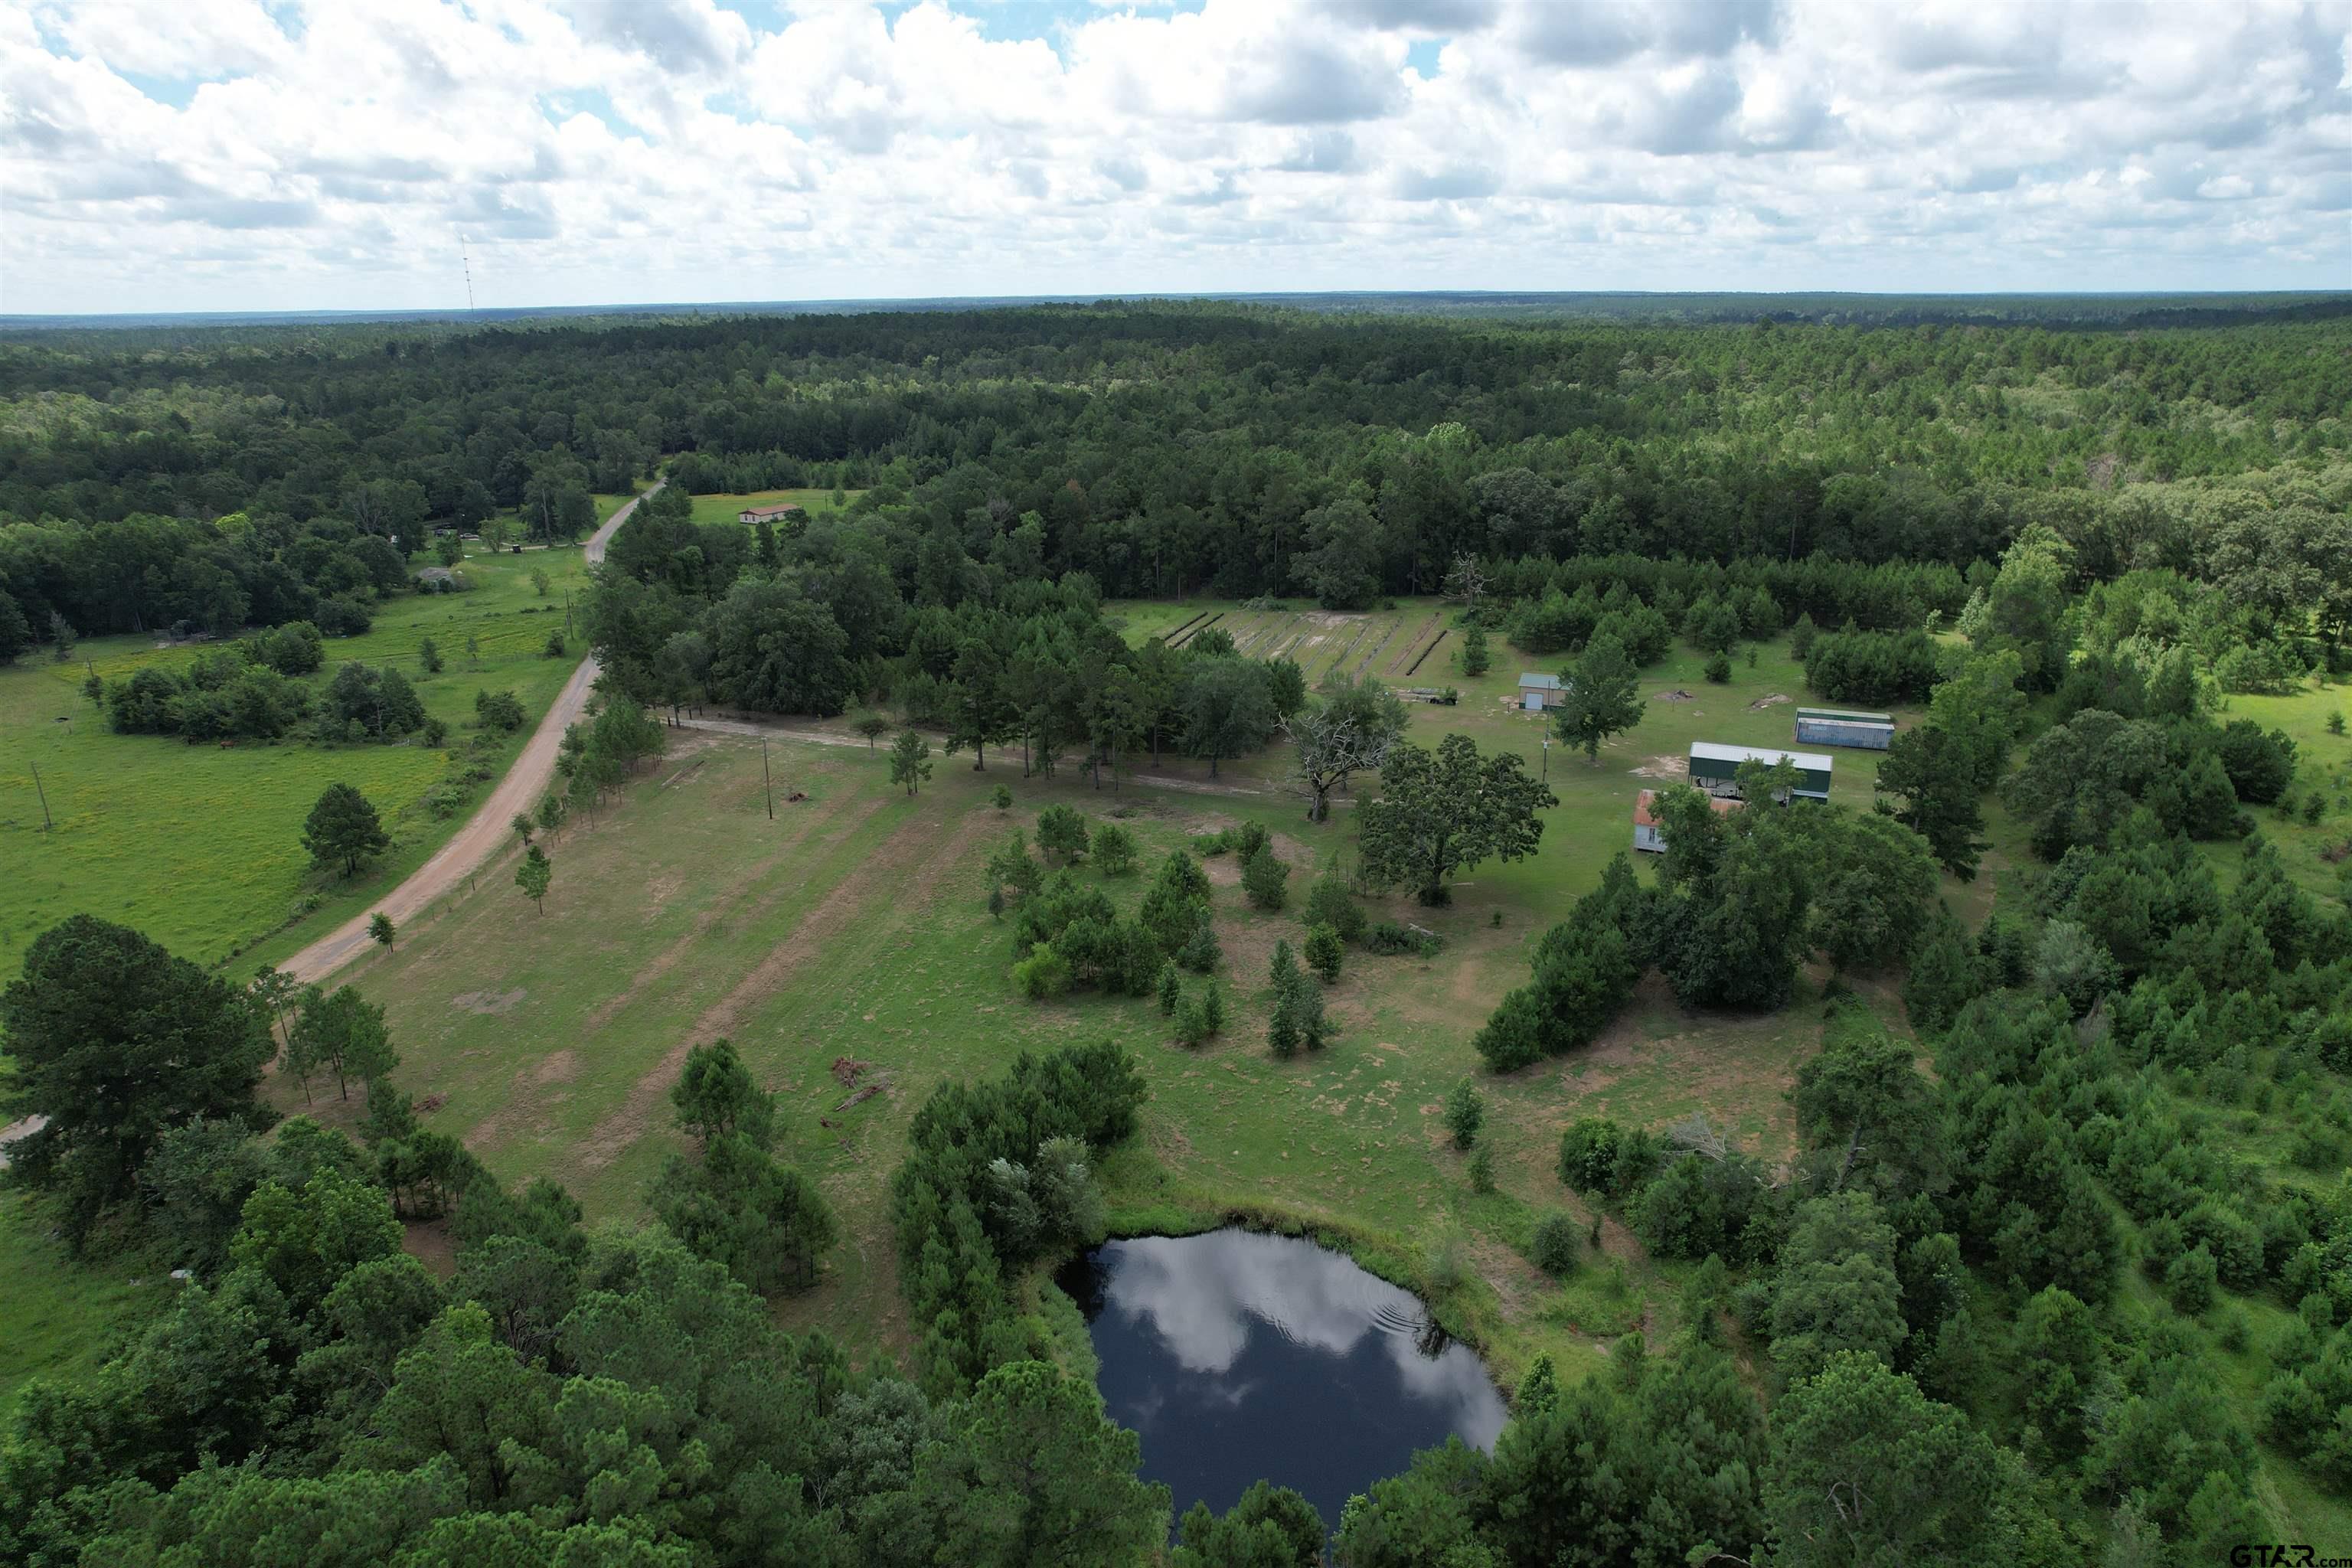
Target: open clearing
{"x":727,"y":507}
{"x":852,"y":926}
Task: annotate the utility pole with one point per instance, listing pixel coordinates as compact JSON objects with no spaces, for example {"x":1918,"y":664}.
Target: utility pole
{"x":767,"y":782}
{"x":46,"y":825}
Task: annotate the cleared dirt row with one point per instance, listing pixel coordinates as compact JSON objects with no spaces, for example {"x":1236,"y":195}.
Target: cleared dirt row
{"x":1197,"y":628}
{"x":1413,"y":645}
{"x":1427,"y":651}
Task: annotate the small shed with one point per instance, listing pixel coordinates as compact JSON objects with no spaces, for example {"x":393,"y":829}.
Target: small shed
{"x":1844,"y":726}
{"x":1538,"y":693}
{"x":752,"y":515}
{"x":1713,"y":768}
{"x":1647,"y":836}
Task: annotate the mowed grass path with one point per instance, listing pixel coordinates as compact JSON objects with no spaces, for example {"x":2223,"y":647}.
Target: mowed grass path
{"x":853,"y":927}
{"x":200,"y":846}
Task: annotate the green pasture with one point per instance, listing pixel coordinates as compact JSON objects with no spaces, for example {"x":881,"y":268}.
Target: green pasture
{"x":852,"y":930}
{"x":59,"y":1312}
{"x":200,"y":846}
{"x":725,"y":508}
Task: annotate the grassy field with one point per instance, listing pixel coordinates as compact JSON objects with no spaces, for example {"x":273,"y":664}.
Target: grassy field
{"x":60,"y":1313}
{"x":853,"y":928}
{"x":200,"y":846}
{"x":725,"y":508}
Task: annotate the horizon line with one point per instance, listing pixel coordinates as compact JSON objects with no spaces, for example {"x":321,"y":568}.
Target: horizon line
{"x":26,"y":319}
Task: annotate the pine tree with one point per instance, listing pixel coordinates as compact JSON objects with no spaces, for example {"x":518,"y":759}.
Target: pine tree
{"x":1282,"y":1029}
{"x":1324,"y":950}
{"x":1284,"y":969}
{"x":1172,"y":988}
{"x":1476,"y":660}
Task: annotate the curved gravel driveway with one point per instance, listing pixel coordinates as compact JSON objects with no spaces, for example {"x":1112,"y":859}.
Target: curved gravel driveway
{"x":486,"y":832}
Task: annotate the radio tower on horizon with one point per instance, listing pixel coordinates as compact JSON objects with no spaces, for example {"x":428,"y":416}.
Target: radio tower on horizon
{"x":467,"y":263}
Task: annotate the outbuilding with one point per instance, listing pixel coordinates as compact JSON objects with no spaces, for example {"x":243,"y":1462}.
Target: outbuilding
{"x":1715,"y":767}
{"x":1538,"y":693}
{"x":752,"y":515}
{"x":1647,"y":836}
{"x":1844,"y":727}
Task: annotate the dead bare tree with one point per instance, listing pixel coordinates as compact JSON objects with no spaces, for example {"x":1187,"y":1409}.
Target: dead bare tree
{"x":1328,"y":747}
{"x":1467,"y":581}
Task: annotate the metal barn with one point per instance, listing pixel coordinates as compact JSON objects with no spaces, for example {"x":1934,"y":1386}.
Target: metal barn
{"x":1841,"y":727}
{"x":1713,"y":768}
{"x":1538,"y":693}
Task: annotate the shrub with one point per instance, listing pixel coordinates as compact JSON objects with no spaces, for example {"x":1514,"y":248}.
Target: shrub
{"x":1062,"y":831}
{"x":1043,"y":975}
{"x":1328,"y":903}
{"x":1555,"y":1247}
{"x":1389,"y":938}
{"x":1323,"y":950}
{"x":1114,"y":850}
{"x":555,"y":645}
{"x":1514,"y":1035}
{"x":1600,"y":1158}
{"x":1265,"y":880}
{"x":1001,"y":799}
{"x":1481,"y":1171}
{"x":1718,"y":669}
{"x":1466,"y":1112}
{"x":436,"y":732}
{"x":1200,"y":1016}
{"x":2188,"y":1282}
{"x":2265,"y":667}
{"x":2260,"y":765}
{"x":291,"y":649}
{"x":341,"y":618}
{"x":500,"y":710}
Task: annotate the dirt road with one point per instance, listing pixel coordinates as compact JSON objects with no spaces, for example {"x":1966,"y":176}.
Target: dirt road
{"x":486,"y":833}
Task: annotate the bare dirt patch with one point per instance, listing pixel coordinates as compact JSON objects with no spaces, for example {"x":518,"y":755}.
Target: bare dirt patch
{"x":1667,"y":765}
{"x":489,"y":1003}
{"x":1775,"y":699}
{"x":561,"y":1067}
{"x":1676,"y":695}
{"x":429,"y":1244}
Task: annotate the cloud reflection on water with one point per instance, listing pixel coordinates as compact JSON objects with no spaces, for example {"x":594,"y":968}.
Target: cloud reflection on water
{"x":1204,"y":1296}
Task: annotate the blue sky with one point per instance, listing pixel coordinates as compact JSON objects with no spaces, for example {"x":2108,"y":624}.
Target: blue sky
{"x":244,"y":155}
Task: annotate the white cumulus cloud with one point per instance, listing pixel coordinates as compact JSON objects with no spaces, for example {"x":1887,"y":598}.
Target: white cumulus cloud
{"x":156,"y":155}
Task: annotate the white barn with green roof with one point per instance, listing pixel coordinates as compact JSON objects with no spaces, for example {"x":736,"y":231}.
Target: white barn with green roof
{"x":1715,"y":768}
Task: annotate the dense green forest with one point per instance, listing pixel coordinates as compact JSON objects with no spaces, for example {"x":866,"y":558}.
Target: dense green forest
{"x":2061,"y":1275}
{"x":1170,"y":449}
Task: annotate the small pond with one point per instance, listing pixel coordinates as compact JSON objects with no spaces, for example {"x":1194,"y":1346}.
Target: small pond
{"x":1239,"y":1356}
